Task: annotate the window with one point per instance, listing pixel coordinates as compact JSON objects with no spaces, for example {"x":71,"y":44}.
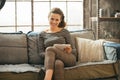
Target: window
{"x":27,"y":15}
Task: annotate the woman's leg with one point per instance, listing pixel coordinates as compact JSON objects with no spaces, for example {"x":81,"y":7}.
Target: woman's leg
{"x":49,"y":64}
{"x":53,"y":53}
{"x":59,"y":70}
{"x":67,"y":58}
{"x":48,"y":74}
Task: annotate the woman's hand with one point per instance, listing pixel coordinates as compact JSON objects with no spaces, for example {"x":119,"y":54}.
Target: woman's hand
{"x":68,"y":49}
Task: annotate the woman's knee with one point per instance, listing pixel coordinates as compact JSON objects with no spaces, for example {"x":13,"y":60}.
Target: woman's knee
{"x":59,"y":64}
{"x":50,"y":49}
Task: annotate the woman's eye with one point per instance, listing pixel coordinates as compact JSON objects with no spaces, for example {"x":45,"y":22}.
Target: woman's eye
{"x":56,"y":19}
{"x":52,"y":19}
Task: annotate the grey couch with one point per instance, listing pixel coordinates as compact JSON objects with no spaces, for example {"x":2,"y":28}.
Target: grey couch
{"x":19,"y":59}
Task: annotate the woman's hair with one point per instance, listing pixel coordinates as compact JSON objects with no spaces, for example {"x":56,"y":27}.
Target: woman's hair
{"x":62,"y":24}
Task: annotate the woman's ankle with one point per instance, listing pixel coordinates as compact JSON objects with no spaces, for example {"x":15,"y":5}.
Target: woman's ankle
{"x":48,"y":75}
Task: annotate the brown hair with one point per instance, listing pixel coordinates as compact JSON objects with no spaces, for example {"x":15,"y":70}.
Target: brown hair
{"x":62,"y":24}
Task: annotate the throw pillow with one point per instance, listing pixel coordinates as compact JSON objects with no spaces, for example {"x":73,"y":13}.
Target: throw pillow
{"x":89,"y":50}
{"x":13,"y":48}
{"x":33,"y":48}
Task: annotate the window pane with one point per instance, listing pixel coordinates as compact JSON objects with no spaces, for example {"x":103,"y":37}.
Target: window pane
{"x":40,"y":28}
{"x":20,"y":0}
{"x":24,"y":29}
{"x":61,"y":5}
{"x":7,"y":29}
{"x":41,"y":0}
{"x":73,"y":28}
{"x":7,"y":14}
{"x":75,"y":11}
{"x":24,"y":13}
{"x":58,"y":0}
{"x":74,"y":0}
{"x":10,"y":1}
{"x":41,"y":10}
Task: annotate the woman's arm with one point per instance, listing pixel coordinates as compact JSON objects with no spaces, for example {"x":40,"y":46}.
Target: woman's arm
{"x":67,"y":36}
{"x":69,"y":41}
{"x":41,"y":46}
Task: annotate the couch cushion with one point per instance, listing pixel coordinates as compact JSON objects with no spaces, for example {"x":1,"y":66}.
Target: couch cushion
{"x":87,"y":33}
{"x":89,"y":50}
{"x":91,"y":71}
{"x":33,"y":48}
{"x":13,"y":48}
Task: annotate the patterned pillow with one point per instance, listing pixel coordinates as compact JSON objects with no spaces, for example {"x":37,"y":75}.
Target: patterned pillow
{"x":89,"y":50}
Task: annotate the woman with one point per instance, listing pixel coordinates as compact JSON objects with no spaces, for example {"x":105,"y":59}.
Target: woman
{"x":50,"y":48}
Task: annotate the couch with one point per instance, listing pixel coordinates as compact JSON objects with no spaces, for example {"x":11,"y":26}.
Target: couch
{"x":19,"y":58}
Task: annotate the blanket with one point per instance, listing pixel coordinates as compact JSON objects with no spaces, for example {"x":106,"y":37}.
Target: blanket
{"x":18,"y":68}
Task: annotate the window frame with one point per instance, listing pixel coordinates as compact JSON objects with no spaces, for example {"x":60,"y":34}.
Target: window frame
{"x":34,"y":27}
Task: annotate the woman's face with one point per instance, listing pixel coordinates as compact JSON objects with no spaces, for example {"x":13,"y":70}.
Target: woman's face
{"x":54,"y":20}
